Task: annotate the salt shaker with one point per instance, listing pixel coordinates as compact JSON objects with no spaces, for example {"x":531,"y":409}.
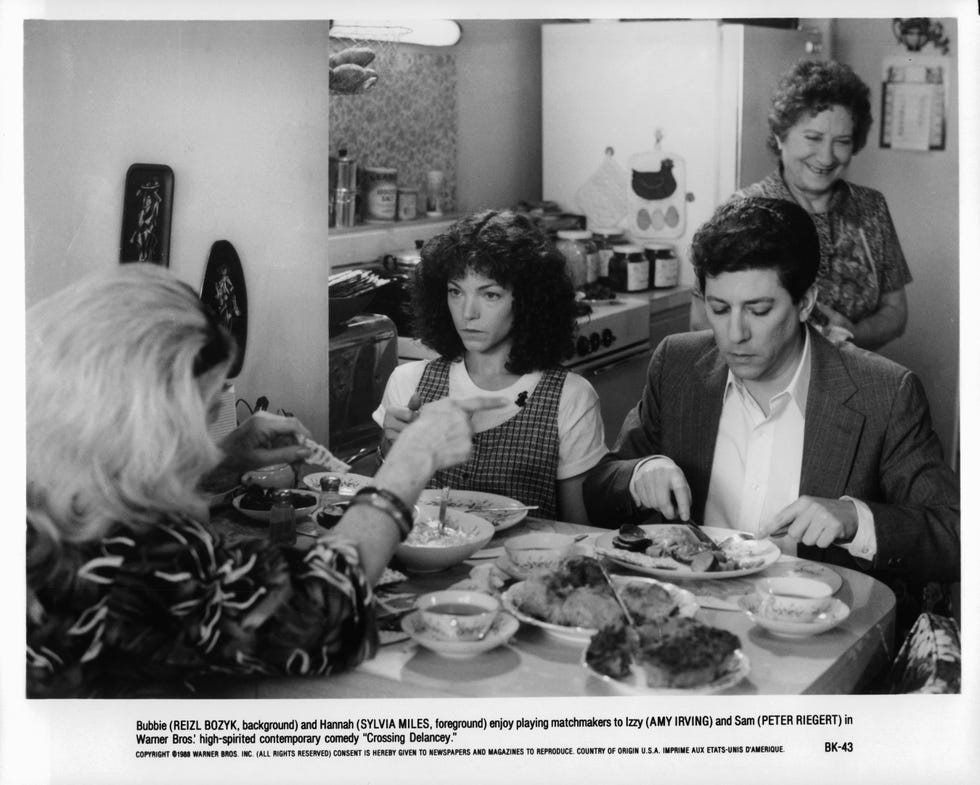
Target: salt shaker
{"x":282,"y":519}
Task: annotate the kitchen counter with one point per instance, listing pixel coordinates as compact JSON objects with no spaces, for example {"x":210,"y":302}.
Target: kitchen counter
{"x":665,"y":299}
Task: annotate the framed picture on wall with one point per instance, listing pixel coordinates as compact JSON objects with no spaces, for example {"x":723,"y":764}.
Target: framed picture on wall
{"x":914,"y":101}
{"x":223,"y":291}
{"x":147,"y":208}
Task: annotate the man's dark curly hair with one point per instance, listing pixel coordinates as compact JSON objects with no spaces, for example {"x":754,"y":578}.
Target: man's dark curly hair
{"x":758,"y":233}
{"x":813,"y":86}
{"x":510,"y":249}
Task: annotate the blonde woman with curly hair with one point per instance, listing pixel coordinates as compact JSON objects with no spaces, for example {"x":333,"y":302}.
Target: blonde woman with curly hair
{"x":130,"y":591}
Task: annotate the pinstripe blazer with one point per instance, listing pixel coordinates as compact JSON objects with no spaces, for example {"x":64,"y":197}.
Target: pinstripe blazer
{"x":867,"y":434}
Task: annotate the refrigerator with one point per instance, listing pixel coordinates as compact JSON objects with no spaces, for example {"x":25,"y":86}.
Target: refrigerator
{"x":689,"y":97}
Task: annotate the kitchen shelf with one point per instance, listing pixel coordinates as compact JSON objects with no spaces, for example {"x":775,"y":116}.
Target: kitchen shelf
{"x":367,"y":242}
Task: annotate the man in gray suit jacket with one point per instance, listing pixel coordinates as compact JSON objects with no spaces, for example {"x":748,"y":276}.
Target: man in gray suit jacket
{"x":762,"y":424}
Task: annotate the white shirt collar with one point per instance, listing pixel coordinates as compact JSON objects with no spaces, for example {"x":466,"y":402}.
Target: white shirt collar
{"x":797,"y":387}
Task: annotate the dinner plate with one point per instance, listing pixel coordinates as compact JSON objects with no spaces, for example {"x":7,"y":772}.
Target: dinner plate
{"x":502,"y":630}
{"x":834,"y":615}
{"x":512,"y":597}
{"x":349,"y":483}
{"x":635,"y":682}
{"x":503,"y":563}
{"x":263,"y":515}
{"x":475,"y":501}
{"x":668,"y":569}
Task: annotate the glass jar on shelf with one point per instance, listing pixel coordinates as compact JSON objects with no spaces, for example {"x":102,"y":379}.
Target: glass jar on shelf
{"x":580,"y":255}
{"x":629,"y":269}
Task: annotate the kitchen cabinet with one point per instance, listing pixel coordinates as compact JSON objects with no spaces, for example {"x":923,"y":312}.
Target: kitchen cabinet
{"x":670,"y":312}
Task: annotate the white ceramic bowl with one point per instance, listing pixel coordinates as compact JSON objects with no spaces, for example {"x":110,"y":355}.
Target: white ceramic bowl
{"x":793,"y":599}
{"x":538,"y":552}
{"x":457,"y":615}
{"x":437,"y":556}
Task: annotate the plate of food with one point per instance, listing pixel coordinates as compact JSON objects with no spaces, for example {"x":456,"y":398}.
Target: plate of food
{"x":502,"y":511}
{"x":256,"y":502}
{"x":349,"y":483}
{"x":675,"y":553}
{"x":677,"y":656}
{"x":597,"y":293}
{"x":574,"y":601}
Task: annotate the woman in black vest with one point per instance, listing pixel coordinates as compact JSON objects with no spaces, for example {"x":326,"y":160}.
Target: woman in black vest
{"x":492,"y":297}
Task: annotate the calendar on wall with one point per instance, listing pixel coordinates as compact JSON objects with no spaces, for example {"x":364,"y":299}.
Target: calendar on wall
{"x":914,"y":97}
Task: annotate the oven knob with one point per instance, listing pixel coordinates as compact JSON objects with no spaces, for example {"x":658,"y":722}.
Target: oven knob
{"x":582,"y":346}
{"x":608,"y":339}
{"x":595,"y":342}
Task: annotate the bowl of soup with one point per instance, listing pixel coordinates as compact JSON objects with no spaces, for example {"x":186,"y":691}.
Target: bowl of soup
{"x":429,"y":549}
{"x":457,"y":615}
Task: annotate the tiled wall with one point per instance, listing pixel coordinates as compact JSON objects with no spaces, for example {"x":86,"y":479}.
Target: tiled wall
{"x":407,"y":121}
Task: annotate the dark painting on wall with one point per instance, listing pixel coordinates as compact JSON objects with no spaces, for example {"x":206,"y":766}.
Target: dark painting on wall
{"x":224,"y":292}
{"x":147,"y":208}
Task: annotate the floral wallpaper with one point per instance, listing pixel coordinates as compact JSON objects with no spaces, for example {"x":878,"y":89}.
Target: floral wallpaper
{"x":407,"y":121}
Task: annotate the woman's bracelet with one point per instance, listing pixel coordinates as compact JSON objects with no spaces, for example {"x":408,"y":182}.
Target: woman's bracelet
{"x":385,"y":501}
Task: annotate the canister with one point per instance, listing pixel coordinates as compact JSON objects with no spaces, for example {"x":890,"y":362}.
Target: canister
{"x":581,"y":259}
{"x":435,"y":184}
{"x":380,"y":193}
{"x":344,"y":204}
{"x":408,"y":201}
{"x":664,"y":265}
{"x":604,"y":240}
{"x":629,"y":269}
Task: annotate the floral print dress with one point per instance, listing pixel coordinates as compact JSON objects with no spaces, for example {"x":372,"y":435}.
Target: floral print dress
{"x":165,"y":610}
{"x":860,"y":255}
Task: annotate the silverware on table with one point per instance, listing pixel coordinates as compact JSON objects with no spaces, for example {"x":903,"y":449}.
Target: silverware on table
{"x":622,"y":605}
{"x":701,"y":535}
{"x":443,"y":504}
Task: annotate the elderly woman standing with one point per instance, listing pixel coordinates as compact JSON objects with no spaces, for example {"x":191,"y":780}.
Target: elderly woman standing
{"x":129,"y":590}
{"x":819,"y":119}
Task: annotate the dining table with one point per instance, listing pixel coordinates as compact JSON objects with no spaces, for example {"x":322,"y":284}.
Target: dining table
{"x":535,"y":663}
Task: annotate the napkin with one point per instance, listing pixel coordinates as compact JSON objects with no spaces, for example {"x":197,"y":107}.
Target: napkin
{"x":390,"y":660}
{"x":487,"y":578}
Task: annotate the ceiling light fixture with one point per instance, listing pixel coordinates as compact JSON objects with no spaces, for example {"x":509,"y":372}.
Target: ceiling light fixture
{"x":425,"y":32}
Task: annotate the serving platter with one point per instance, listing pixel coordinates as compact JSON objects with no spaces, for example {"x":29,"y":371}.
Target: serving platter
{"x":263,"y":515}
{"x":505,"y":565}
{"x":476,"y":503}
{"x":512,"y":599}
{"x":635,"y":682}
{"x":765,"y":551}
{"x":834,"y":615}
{"x":502,"y":630}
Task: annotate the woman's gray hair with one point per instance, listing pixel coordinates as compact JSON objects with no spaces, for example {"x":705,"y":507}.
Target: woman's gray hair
{"x":811,"y":87}
{"x":118,"y":367}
